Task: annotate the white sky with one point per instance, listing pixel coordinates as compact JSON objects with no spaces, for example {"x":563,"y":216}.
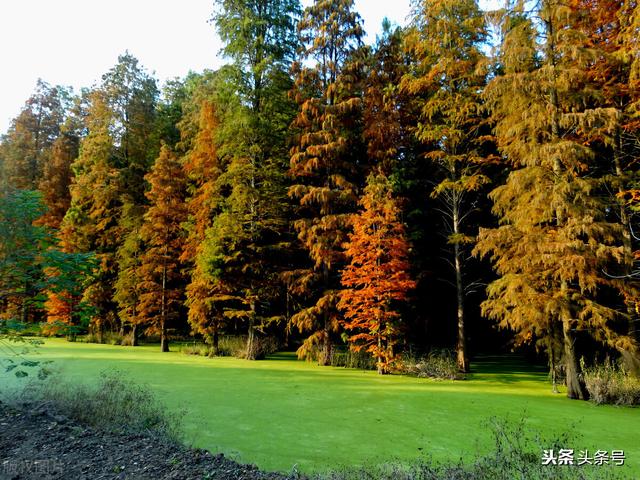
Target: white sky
{"x":73,"y":42}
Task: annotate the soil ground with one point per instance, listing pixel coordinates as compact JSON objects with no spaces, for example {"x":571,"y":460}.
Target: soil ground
{"x":38,"y":444}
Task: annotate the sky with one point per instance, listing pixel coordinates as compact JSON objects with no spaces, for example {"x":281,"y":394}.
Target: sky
{"x":73,"y":42}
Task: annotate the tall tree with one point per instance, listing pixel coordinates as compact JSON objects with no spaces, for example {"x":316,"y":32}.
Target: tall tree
{"x":160,"y":269}
{"x":127,"y":285}
{"x":446,"y":39}
{"x":377,"y":277}
{"x":109,"y":180}
{"x":132,"y":95}
{"x":92,"y":222}
{"x":554,"y":241}
{"x":603,"y":25}
{"x":202,"y":167}
{"x":327,"y":160}
{"x":243,"y":240}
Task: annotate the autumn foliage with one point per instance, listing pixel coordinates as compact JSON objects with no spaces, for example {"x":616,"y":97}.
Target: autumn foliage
{"x":464,"y":171}
{"x":377,"y":278}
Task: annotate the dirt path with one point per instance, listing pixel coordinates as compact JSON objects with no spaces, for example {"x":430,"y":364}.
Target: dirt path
{"x":37,"y":444}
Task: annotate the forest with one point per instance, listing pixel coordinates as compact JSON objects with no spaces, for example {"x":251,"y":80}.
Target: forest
{"x":468,"y":182}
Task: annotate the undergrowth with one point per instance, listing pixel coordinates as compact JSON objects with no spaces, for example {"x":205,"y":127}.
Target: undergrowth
{"x":610,"y":383}
{"x":114,"y":403}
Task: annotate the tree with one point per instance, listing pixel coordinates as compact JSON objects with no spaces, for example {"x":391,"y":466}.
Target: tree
{"x":26,"y":146}
{"x":240,"y":252}
{"x":92,"y":222}
{"x":603,"y":25}
{"x":32,"y":268}
{"x":377,"y":277}
{"x":554,"y":240}
{"x":160,"y":269}
{"x":446,"y":40}
{"x":259,"y":37}
{"x":67,"y":277}
{"x":127,"y":286}
{"x":202,"y":167}
{"x":56,"y":181}
{"x":388,"y":111}
{"x":327,"y":159}
{"x":21,"y":246}
{"x":132,"y":95}
{"x":109,"y":183}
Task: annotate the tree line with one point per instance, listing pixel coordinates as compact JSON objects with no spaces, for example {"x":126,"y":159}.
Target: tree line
{"x":328,"y":192}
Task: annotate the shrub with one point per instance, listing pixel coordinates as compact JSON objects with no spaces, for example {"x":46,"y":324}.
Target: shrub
{"x":114,"y":404}
{"x":353,"y":359}
{"x":107,"y":338}
{"x":195,"y":348}
{"x":262,"y":346}
{"x":611,"y":384}
{"x":438,"y":364}
{"x":232,"y":346}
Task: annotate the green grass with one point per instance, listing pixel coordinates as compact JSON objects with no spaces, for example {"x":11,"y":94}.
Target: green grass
{"x":281,"y":412}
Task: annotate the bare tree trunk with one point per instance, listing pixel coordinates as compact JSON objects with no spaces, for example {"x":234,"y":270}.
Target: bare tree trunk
{"x":325,"y":354}
{"x":381,"y":369}
{"x":134,"y":335}
{"x":164,"y":341}
{"x":24,"y":312}
{"x":575,"y":388}
{"x":251,"y":353}
{"x":461,"y":346}
{"x":100,"y":330}
{"x":215,"y":345}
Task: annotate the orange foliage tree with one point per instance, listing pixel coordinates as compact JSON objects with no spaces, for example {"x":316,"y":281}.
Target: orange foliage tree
{"x":202,"y":167}
{"x":378,"y":276}
{"x":160,"y":271}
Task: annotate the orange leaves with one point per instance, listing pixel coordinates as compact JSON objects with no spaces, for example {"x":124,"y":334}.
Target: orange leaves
{"x":162,"y":233}
{"x":377,"y":277}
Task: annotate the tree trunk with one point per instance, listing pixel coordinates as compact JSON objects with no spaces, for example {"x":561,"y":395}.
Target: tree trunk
{"x":24,"y":313}
{"x":215,"y":343}
{"x":100,"y":330}
{"x":325,"y":354}
{"x":461,"y":347}
{"x":552,"y":369}
{"x":164,"y":341}
{"x":575,"y":388}
{"x":380,"y":360}
{"x":134,"y":335}
{"x":251,"y":353}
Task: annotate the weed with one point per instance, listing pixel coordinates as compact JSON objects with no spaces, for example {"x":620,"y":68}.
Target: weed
{"x":610,"y":383}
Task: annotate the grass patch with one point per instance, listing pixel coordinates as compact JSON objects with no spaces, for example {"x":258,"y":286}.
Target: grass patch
{"x":280,"y":412}
{"x":114,"y":403}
